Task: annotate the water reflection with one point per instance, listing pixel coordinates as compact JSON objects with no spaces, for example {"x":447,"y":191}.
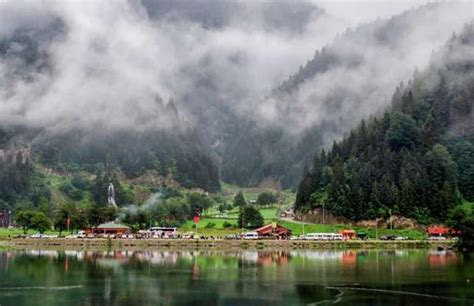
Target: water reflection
{"x":299,"y":277}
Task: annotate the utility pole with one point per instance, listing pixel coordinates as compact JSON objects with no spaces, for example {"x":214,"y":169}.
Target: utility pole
{"x":68,"y":221}
{"x":243,"y":218}
{"x":323,"y":212}
{"x":376,"y":231}
{"x":390,"y":213}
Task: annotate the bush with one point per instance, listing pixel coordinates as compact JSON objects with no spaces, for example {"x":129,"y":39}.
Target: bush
{"x":80,"y":183}
{"x":72,"y":192}
{"x":267,"y":198}
{"x":227,"y":224}
{"x":210,"y":225}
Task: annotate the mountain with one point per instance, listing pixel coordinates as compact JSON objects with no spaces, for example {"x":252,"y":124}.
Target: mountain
{"x":159,"y":138}
{"x":347,"y":80}
{"x":417,"y":159}
{"x":81,"y":87}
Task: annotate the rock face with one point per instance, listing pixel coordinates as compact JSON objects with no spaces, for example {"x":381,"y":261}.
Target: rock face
{"x":398,"y":222}
{"x":20,"y":156}
{"x":316,"y":216}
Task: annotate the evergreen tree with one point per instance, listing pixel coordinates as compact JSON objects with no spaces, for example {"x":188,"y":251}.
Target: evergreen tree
{"x":250,"y":217}
{"x":239,"y":200}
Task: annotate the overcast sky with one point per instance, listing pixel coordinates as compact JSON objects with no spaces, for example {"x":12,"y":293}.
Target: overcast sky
{"x":115,"y":57}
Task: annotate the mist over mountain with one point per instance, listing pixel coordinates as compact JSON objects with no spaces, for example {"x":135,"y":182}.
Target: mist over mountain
{"x":88,"y":82}
{"x":415,"y":160}
{"x":344,"y":82}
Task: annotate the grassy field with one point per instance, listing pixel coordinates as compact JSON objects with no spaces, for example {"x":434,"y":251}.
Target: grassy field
{"x":297,"y":229}
{"x":10,"y":233}
{"x":268,"y":213}
{"x":214,"y":217}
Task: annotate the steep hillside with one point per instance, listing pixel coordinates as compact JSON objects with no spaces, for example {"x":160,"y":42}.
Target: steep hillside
{"x":416,"y":160}
{"x":347,"y":80}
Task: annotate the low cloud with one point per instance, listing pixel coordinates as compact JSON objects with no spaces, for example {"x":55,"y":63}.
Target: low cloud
{"x":111,"y":66}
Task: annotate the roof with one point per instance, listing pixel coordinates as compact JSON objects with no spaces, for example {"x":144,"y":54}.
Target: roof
{"x":347,"y":231}
{"x":438,"y":230}
{"x":268,"y":229}
{"x":112,"y":225}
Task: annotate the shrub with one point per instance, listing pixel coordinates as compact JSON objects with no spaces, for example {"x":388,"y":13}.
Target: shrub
{"x":210,"y":225}
{"x":227,"y":224}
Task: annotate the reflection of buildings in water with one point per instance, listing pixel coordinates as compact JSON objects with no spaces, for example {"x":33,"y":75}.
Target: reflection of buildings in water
{"x":45,"y":253}
{"x":349,"y":258}
{"x":319,"y":255}
{"x":107,"y":289}
{"x":70,"y":253}
{"x":401,"y":253}
{"x":442,"y":258}
{"x":250,"y":256}
{"x":196,"y":271}
{"x":270,"y":258}
{"x":109,"y":259}
{"x":158,"y":257}
{"x":5,"y":258}
{"x":279,"y":258}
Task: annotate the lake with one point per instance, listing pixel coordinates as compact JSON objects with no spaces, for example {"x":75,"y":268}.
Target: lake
{"x":386,"y":277}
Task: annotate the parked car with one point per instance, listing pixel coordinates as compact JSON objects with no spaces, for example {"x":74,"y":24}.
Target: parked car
{"x":250,"y":236}
{"x":81,"y":235}
{"x":189,"y":235}
{"x":388,"y":237}
{"x":38,"y":236}
{"x":435,"y":238}
{"x":231,"y":237}
{"x":401,"y":238}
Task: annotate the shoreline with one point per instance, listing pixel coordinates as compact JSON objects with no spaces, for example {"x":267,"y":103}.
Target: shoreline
{"x":185,"y":244}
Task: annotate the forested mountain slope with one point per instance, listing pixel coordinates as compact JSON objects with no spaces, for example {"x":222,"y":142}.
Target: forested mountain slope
{"x":158,"y":138}
{"x":417,"y":159}
{"x":347,"y":80}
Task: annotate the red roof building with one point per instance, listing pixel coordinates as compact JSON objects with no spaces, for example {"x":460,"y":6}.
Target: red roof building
{"x":348,"y":234}
{"x":438,"y":231}
{"x":109,"y":228}
{"x":273,"y":230}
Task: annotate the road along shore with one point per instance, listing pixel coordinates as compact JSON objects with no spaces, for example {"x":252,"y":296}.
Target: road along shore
{"x":184,"y":244}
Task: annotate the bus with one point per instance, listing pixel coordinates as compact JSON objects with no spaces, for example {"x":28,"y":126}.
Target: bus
{"x":323,"y":236}
{"x":163,"y":232}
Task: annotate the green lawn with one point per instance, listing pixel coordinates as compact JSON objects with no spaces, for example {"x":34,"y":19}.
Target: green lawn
{"x":268,"y":213}
{"x":297,"y":229}
{"x":10,"y":233}
{"x":217,"y":230}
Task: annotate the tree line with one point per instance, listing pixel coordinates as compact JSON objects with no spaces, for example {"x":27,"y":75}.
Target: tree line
{"x":416,"y":160}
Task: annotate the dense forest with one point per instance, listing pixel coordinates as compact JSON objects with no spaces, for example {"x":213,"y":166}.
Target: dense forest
{"x":327,"y":96}
{"x":417,"y":159}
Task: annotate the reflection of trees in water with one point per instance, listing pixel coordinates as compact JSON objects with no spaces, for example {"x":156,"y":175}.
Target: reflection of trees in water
{"x":214,"y":277}
{"x":311,"y":294}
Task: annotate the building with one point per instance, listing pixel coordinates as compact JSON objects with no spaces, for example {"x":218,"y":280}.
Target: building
{"x":348,"y":234}
{"x":441,"y":231}
{"x":287,"y":213}
{"x":5,"y":218}
{"x":273,"y":231}
{"x":109,"y":229}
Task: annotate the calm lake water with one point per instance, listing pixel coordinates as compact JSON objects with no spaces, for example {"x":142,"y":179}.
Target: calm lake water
{"x":404,"y":277}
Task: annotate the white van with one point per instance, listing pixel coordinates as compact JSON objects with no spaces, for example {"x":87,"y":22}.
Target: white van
{"x":251,"y":236}
{"x":314,"y":236}
{"x":323,"y":236}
